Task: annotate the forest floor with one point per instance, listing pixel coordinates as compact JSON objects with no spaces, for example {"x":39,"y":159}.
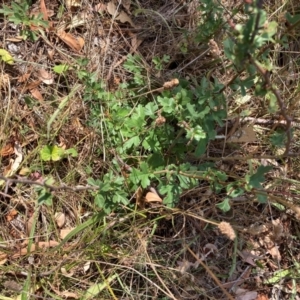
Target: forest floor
{"x":61,"y":60}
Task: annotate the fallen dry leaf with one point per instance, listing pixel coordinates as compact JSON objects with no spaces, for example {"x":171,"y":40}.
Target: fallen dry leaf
{"x":123,"y":18}
{"x":46,"y":77}
{"x":64,"y":232}
{"x":3,"y":258}
{"x":32,"y":85}
{"x":152,"y":197}
{"x":248,"y":257}
{"x":135,"y":42}
{"x":100,"y":7}
{"x":80,"y":42}
{"x":36,"y":94}
{"x":7,"y":150}
{"x":111,"y":8}
{"x":51,"y":53}
{"x":243,"y":294}
{"x":211,"y":248}
{"x":7,"y":169}
{"x":14,"y":164}
{"x":126,"y":4}
{"x":11,"y":215}
{"x":60,"y":219}
{"x":70,"y":40}
{"x":23,"y":77}
{"x":44,"y":10}
{"x":86,"y":266}
{"x":277,"y":229}
{"x":274,"y":251}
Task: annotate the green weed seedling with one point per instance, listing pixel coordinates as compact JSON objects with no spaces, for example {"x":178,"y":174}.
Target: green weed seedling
{"x":56,"y":153}
{"x":19,"y":13}
{"x":6,"y":57}
{"x":160,"y":62}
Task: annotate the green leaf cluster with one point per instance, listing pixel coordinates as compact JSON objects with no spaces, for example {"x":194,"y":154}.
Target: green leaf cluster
{"x":111,"y":192}
{"x":55,"y":153}
{"x":18,"y":14}
{"x":155,"y":133}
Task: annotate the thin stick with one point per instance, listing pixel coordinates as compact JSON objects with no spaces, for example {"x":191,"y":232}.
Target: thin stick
{"x":212,"y":275}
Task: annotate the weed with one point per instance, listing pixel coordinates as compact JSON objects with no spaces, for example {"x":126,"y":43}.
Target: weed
{"x":157,"y":151}
{"x":19,"y":13}
{"x":159,"y":62}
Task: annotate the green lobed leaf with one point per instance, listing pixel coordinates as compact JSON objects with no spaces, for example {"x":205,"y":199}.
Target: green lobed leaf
{"x":134,"y":141}
{"x":100,"y":202}
{"x":93,"y":182}
{"x":44,"y":197}
{"x":262,"y":198}
{"x":292,"y":19}
{"x":45,"y":153}
{"x":60,"y":69}
{"x":224,"y":205}
{"x":258,"y":178}
{"x":168,"y":104}
{"x":196,"y":133}
{"x":71,"y":152}
{"x":6,"y":57}
{"x":278,"y":138}
{"x":57,"y":153}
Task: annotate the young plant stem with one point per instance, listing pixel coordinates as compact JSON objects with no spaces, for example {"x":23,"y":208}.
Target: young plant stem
{"x":266,"y":75}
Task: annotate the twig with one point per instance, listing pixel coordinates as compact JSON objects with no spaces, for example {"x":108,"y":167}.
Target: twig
{"x":77,"y":188}
{"x":212,"y":275}
{"x":121,"y":161}
{"x":266,"y":121}
{"x":244,"y":158}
